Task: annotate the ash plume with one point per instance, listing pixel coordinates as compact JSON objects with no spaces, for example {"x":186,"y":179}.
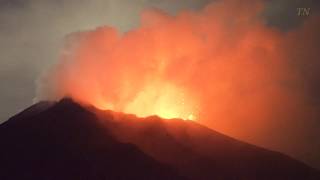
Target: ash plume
{"x":222,"y":65}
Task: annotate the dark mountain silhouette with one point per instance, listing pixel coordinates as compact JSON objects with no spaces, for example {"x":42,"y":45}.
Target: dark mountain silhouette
{"x":201,"y":153}
{"x":66,"y":141}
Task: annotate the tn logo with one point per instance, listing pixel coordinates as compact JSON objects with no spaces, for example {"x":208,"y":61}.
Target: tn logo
{"x":303,"y":11}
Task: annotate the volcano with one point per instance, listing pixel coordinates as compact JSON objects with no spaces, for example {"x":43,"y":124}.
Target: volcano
{"x":65,"y":140}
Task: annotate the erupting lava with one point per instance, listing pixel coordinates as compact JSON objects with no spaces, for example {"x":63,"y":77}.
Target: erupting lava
{"x":168,"y":101}
{"x":164,"y":100}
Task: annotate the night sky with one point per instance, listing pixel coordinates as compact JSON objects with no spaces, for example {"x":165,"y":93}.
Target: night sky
{"x":32,"y":34}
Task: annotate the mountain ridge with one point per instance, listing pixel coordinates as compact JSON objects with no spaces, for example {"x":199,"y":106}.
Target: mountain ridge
{"x":66,"y":142}
{"x":155,"y":148}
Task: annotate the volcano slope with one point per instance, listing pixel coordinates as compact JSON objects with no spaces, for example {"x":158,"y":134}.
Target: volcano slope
{"x":64,"y":140}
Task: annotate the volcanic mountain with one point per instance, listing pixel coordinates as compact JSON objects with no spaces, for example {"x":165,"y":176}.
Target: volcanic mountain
{"x":65,"y":140}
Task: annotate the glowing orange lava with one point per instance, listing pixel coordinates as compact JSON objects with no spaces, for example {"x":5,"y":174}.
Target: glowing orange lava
{"x":162,"y":99}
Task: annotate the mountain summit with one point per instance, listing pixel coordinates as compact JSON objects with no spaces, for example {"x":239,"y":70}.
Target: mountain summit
{"x":64,"y":141}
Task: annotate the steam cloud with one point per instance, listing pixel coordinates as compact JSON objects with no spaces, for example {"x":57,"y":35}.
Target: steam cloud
{"x":222,"y":64}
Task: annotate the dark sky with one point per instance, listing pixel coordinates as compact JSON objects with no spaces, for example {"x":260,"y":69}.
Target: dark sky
{"x":32,"y":32}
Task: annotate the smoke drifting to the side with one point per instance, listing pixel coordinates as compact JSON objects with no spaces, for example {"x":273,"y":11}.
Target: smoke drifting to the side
{"x":221,"y":66}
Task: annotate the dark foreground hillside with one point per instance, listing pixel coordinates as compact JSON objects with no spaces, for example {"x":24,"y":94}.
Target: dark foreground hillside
{"x":65,"y":141}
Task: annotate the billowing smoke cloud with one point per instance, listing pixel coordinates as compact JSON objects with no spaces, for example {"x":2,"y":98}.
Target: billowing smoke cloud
{"x":222,"y":66}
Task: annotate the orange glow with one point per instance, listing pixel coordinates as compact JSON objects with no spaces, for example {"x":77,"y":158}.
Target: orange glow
{"x":162,"y":99}
{"x":185,"y":66}
{"x":222,"y":66}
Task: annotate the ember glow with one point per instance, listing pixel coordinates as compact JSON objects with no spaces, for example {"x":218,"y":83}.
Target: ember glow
{"x":168,"y":101}
{"x":164,"y":100}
